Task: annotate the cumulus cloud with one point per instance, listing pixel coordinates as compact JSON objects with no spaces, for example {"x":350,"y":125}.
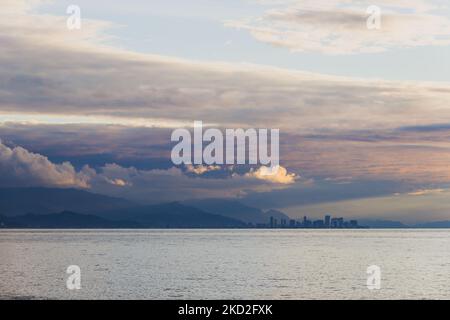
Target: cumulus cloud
{"x":158,"y":185}
{"x":118,"y":182}
{"x":19,"y":168}
{"x":201,"y":169}
{"x":340,"y":27}
{"x":411,"y":154}
{"x":276,"y":174}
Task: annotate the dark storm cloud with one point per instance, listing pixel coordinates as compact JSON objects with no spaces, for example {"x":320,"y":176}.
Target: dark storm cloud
{"x":95,"y":145}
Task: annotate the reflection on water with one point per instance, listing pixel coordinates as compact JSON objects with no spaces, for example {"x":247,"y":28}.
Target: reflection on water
{"x":224,"y":264}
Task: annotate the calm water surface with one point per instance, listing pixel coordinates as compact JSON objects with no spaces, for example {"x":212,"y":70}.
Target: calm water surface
{"x":225,"y":264}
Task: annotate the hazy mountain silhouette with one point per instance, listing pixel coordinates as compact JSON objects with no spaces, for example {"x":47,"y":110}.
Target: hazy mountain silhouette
{"x":387,"y":224}
{"x":433,"y":225}
{"x":171,"y":215}
{"x":19,"y":201}
{"x":276,"y":214}
{"x":63,"y":220}
{"x":28,"y":203}
{"x":36,"y":207}
{"x":235,"y":210}
{"x":382,"y":224}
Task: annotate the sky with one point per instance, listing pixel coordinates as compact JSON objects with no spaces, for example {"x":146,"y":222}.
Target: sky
{"x":363,"y":113}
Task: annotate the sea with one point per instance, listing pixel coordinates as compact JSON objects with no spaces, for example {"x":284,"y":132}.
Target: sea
{"x":225,"y":264}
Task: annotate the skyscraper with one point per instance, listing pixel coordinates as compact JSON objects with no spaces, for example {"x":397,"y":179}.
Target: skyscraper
{"x":327,"y":221}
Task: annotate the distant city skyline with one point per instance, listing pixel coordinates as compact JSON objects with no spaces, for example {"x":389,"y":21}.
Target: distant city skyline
{"x":327,"y":223}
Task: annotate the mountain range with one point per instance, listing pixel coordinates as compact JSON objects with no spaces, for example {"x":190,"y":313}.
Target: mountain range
{"x":236,"y":210}
{"x":19,"y":201}
{"x":63,"y":220}
{"x":72,"y":208}
{"x":171,"y":215}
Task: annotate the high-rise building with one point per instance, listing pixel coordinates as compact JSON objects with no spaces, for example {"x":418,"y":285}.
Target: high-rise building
{"x":306,"y":223}
{"x":334,"y":223}
{"x":327,"y":221}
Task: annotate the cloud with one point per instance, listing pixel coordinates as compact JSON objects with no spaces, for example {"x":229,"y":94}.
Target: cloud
{"x":412,"y":155}
{"x":340,"y":27}
{"x":201,"y":169}
{"x":21,"y":168}
{"x":160,"y":185}
{"x":52,"y":71}
{"x":423,"y":192}
{"x":407,"y":156}
{"x":277,"y":174}
{"x":118,"y":182}
{"x":331,"y":127}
